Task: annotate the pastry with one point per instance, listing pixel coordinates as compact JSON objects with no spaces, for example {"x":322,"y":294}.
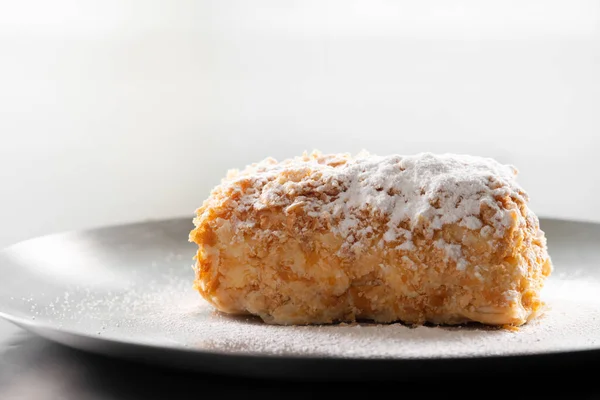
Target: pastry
{"x":325,"y":238}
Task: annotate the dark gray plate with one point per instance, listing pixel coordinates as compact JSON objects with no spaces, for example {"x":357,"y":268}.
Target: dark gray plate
{"x":127,"y":291}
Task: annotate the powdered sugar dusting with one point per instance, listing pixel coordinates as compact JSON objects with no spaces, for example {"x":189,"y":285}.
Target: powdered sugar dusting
{"x":167,"y":312}
{"x":425,"y":190}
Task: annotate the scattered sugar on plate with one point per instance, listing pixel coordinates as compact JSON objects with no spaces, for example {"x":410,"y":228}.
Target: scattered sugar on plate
{"x":169,"y":313}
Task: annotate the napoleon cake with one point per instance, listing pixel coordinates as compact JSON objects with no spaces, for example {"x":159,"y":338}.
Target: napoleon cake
{"x":326,"y":238}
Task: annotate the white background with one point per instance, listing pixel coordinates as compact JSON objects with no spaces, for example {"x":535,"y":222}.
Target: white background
{"x":116,"y":111}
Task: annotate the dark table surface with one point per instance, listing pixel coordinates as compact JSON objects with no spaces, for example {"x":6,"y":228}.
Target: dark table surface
{"x":34,"y":368}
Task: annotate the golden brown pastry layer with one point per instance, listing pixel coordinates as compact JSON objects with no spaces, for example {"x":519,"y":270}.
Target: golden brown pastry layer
{"x":325,"y":238}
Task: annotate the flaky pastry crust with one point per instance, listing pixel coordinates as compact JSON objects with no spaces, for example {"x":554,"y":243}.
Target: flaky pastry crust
{"x":325,"y":238}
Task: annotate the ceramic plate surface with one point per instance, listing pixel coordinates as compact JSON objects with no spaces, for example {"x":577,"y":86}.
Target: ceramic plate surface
{"x":127,"y":291}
